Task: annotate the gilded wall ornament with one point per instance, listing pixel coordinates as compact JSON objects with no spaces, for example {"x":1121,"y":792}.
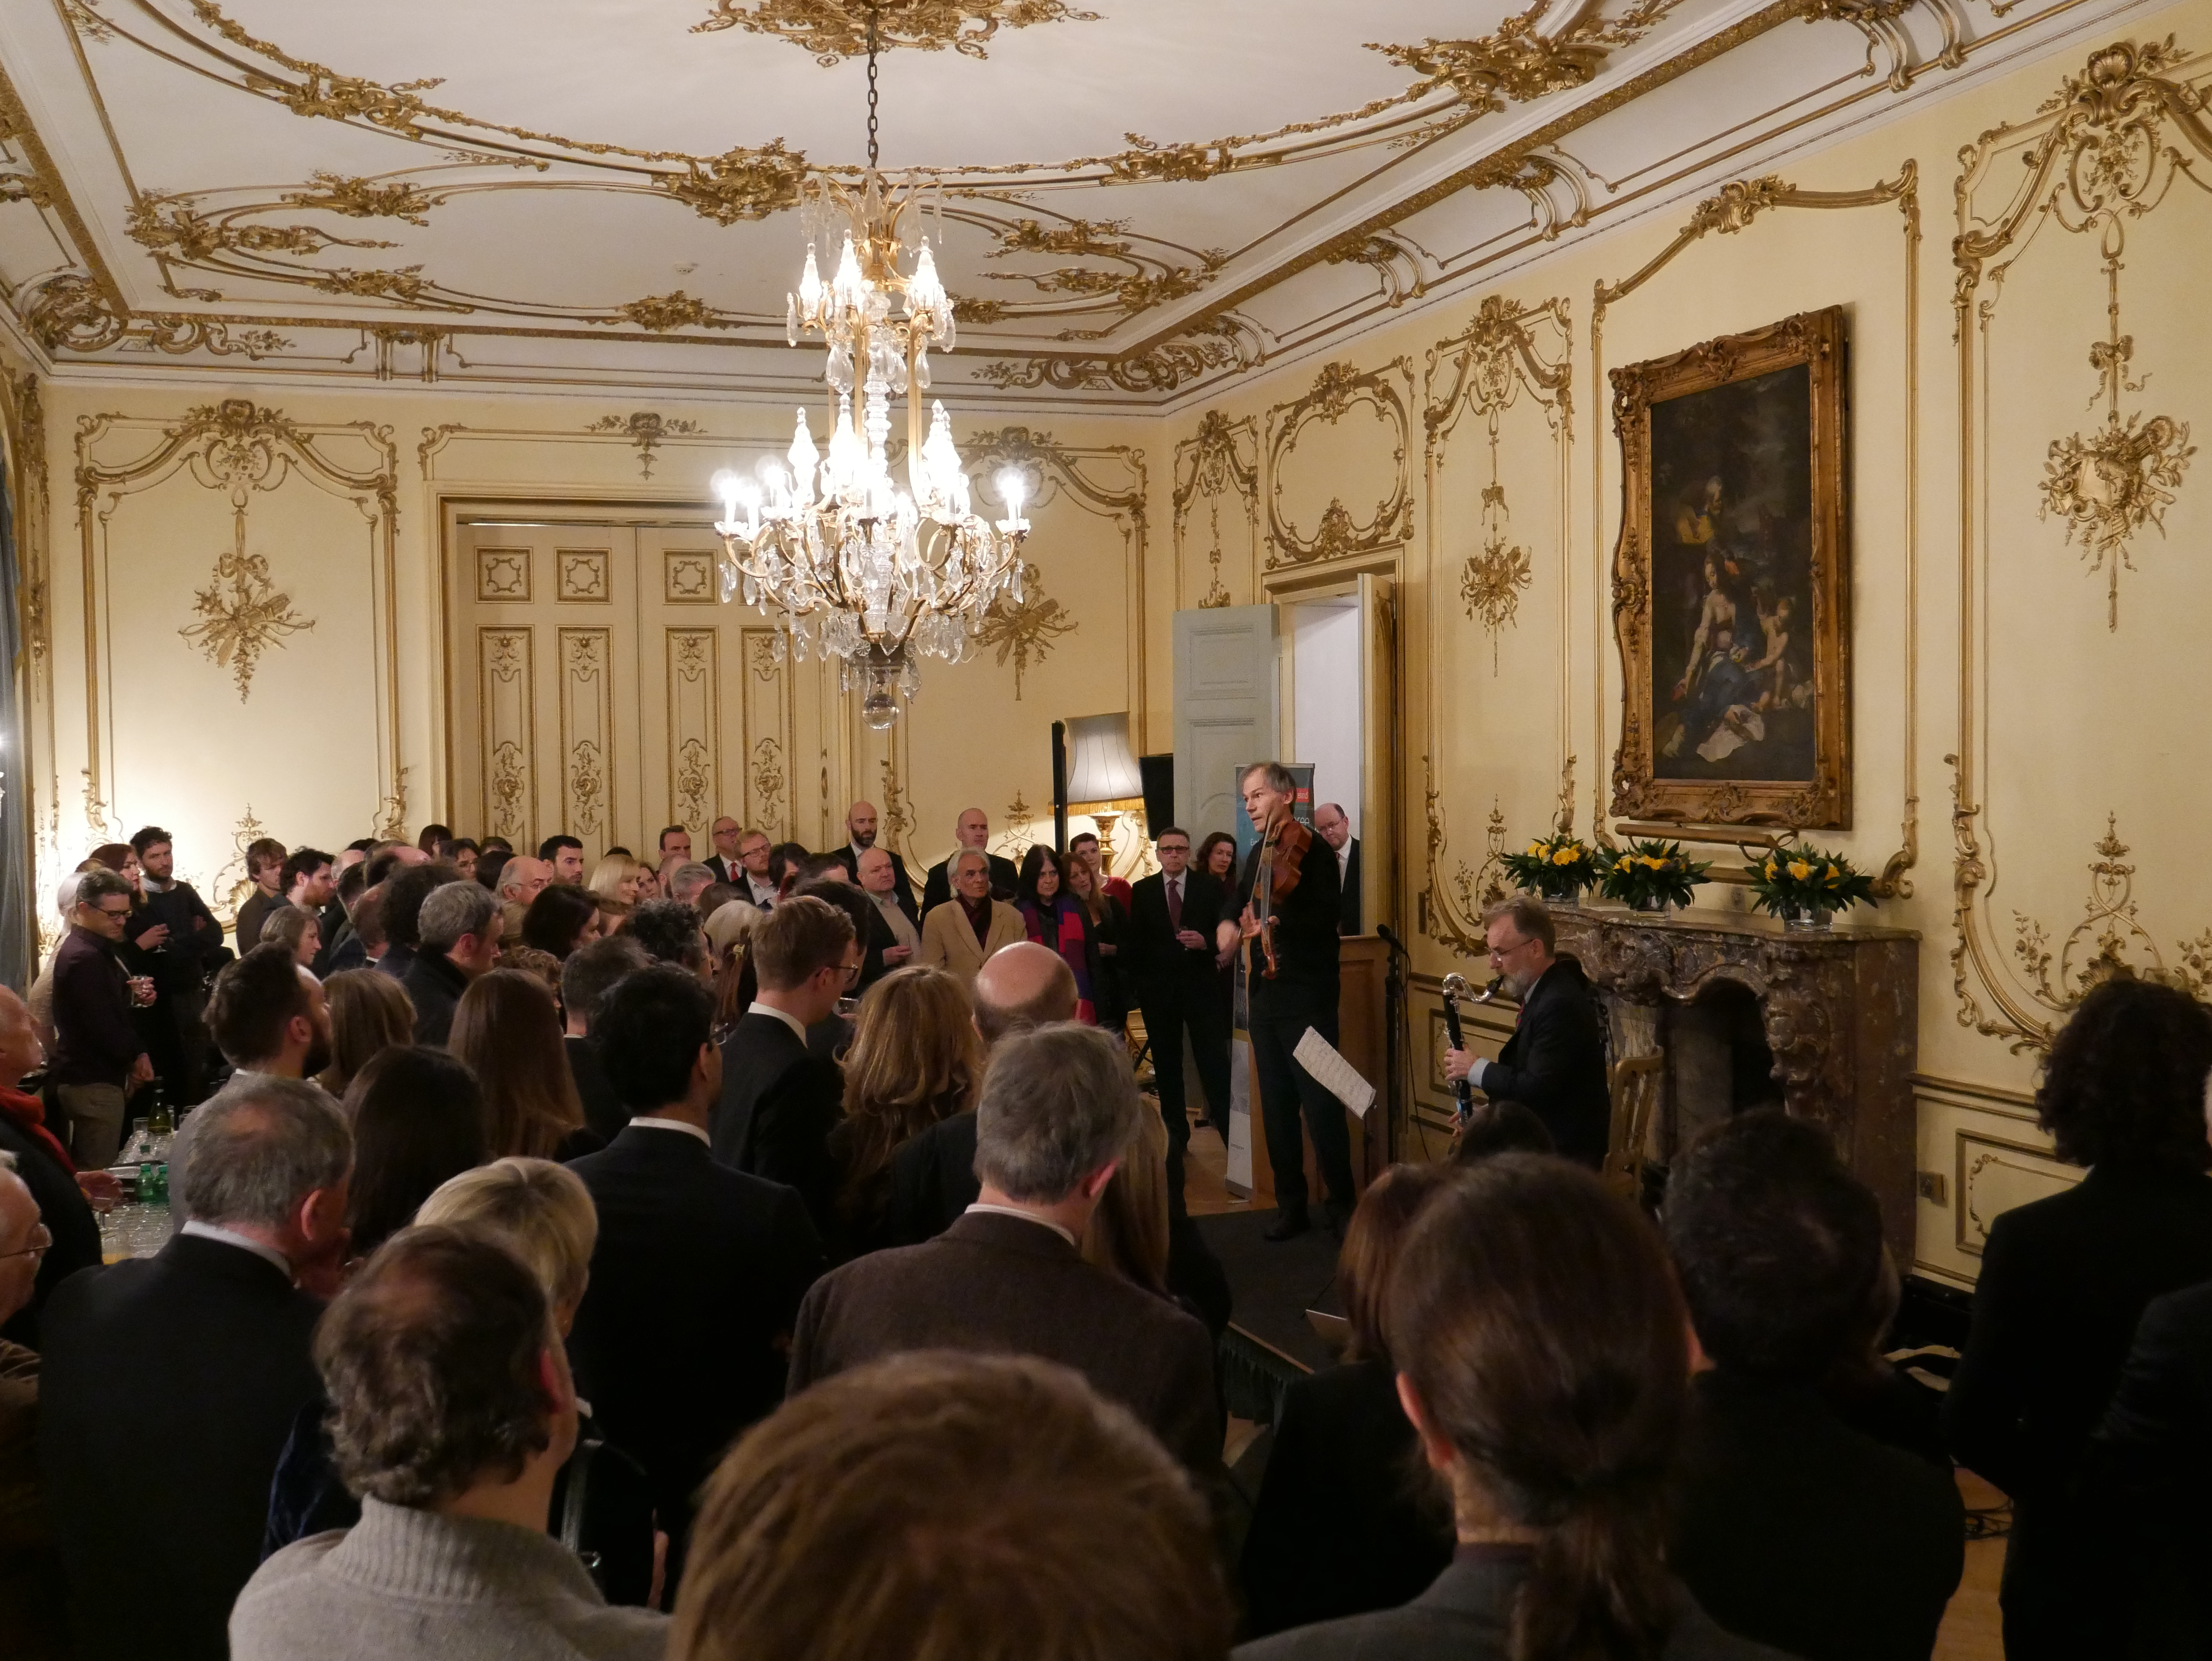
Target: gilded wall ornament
{"x":1491,"y":582}
{"x":1024,"y":632}
{"x":834,"y":30}
{"x":645,"y":430}
{"x":767,"y":782}
{"x":241,"y":613}
{"x":694,"y":781}
{"x":586,"y":780}
{"x":1017,"y":841}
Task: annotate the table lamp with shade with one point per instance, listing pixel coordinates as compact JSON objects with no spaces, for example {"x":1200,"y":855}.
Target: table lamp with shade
{"x":1102,"y":771}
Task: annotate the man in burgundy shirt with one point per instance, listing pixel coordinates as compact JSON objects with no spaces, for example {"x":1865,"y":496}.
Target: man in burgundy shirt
{"x":98,"y":1059}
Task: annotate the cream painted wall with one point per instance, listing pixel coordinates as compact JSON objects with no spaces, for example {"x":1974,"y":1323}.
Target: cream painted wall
{"x":1976,"y":629}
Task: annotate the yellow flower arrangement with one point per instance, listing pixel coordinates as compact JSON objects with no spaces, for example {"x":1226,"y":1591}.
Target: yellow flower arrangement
{"x":1649,"y":873}
{"x":1555,"y":866}
{"x":1803,"y":883}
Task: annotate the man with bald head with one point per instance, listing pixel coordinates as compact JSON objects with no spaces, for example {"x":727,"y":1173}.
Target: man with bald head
{"x":859,"y":837}
{"x":893,"y":938}
{"x":1021,"y":987}
{"x":972,"y":830}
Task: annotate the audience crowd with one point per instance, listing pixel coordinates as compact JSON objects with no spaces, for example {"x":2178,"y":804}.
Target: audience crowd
{"x":740,"y":1259}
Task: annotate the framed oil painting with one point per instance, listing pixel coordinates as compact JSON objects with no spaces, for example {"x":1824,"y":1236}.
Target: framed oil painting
{"x":1731,"y":582}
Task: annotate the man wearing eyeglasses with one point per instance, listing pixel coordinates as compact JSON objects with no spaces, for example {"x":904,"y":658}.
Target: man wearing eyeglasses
{"x":98,"y":1059}
{"x":1554,"y":1063}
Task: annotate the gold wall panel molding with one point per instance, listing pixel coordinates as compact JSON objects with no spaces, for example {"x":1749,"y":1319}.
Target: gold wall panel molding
{"x":1085,"y":472}
{"x":583,"y":576}
{"x":38,"y":781}
{"x":695,"y":726}
{"x":1221,"y":459}
{"x":1508,"y":351}
{"x":1729,"y":211}
{"x":687,"y":577}
{"x":587,"y":734}
{"x":645,"y":428}
{"x":241,"y":450}
{"x":503,"y":574}
{"x":1338,"y":390}
{"x":769,"y":713}
{"x":508,"y":709}
{"x":1994,"y":1175}
{"x":2101,"y":152}
{"x":834,"y":30}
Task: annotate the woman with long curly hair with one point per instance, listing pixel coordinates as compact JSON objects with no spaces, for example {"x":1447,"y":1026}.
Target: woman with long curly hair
{"x":2065,"y":1279}
{"x":915,"y":1060}
{"x":508,"y":1031}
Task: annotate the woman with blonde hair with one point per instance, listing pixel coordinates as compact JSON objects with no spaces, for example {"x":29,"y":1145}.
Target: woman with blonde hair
{"x":370,"y":1012}
{"x":616,"y":878}
{"x":509,"y":1031}
{"x":540,"y":1211}
{"x":915,"y":1060}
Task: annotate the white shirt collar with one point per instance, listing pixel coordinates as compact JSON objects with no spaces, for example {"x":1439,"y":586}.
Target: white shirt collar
{"x":267,"y":1254}
{"x":783,"y":1015}
{"x":1026,"y":1216}
{"x":648,"y":1122}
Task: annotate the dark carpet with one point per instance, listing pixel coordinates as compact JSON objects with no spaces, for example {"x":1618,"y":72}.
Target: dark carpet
{"x":1273,"y":1282}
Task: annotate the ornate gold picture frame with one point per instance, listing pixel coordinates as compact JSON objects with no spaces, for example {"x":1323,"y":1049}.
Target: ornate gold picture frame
{"x":1731,"y":580}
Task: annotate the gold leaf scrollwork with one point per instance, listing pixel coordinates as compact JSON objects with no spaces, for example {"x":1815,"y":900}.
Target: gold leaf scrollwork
{"x":1025,"y":630}
{"x":768,"y":781}
{"x":644,"y":428}
{"x":659,"y":313}
{"x":238,"y":622}
{"x":897,"y":820}
{"x":366,"y":199}
{"x":741,"y":185}
{"x":834,"y":30}
{"x":172,"y":224}
{"x":1522,"y":61}
{"x":70,"y":313}
{"x":509,"y":778}
{"x":693,"y":780}
{"x":586,"y":781}
{"x":1017,"y":841}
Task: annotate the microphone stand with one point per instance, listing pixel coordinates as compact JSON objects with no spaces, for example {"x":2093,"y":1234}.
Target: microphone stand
{"x":1394,"y":1016}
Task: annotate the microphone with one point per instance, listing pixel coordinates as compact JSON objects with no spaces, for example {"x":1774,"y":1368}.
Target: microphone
{"x":1389,"y":938}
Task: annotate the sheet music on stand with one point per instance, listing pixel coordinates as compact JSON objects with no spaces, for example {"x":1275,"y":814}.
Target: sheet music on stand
{"x":1338,"y":1076}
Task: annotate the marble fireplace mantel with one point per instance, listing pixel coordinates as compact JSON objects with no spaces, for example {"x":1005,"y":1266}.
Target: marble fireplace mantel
{"x":1840,"y":1009}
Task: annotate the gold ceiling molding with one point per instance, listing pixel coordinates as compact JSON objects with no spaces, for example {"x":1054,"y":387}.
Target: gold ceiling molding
{"x":1222,"y":458}
{"x":367,"y":198}
{"x":1520,"y":63}
{"x":834,"y":30}
{"x":1878,"y":20}
{"x":171,"y":227}
{"x":71,"y":312}
{"x":241,"y":450}
{"x":645,"y":428}
{"x":663,"y":313}
{"x":2102,"y":152}
{"x":1507,"y":351}
{"x":325,"y":94}
{"x":1337,"y":390}
{"x":1728,"y":211}
{"x":1162,"y":369}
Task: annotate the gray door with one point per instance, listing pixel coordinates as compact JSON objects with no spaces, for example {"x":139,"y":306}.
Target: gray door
{"x":1227,"y":710}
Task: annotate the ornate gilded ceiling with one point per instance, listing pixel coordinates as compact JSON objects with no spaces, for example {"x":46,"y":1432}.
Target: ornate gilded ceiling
{"x":1135,"y":198}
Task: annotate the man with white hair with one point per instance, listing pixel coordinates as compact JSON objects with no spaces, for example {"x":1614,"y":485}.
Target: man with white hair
{"x":1058,"y":1113}
{"x":171,"y":1383}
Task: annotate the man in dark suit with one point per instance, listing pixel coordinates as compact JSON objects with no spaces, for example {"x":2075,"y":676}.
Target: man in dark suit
{"x":459,"y":924}
{"x":1058,"y":1113}
{"x":1336,"y":830}
{"x":1301,"y":992}
{"x":1554,"y":1063}
{"x":778,"y":1102}
{"x":699,"y":1268}
{"x":724,"y":861}
{"x":1169,"y":959}
{"x":170,"y":1383}
{"x":586,"y":979}
{"x":860,"y":837}
{"x":1790,"y":1527}
{"x":972,"y":830}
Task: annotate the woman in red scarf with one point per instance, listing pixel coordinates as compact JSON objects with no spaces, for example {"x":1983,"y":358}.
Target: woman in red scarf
{"x":1057,"y":919}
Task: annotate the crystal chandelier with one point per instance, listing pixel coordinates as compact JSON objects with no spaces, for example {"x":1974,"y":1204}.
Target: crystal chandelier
{"x":831,"y":546}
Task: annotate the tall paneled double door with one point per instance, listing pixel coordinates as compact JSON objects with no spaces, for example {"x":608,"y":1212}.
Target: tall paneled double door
{"x":596,"y":684}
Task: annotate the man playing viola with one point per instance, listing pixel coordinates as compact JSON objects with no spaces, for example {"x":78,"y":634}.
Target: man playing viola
{"x":1283,"y":907}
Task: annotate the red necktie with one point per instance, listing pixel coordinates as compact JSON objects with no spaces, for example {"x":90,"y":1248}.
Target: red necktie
{"x":1175,"y":904}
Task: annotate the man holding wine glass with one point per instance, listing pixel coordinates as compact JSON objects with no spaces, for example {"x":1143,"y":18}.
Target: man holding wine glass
{"x":98,"y":1059}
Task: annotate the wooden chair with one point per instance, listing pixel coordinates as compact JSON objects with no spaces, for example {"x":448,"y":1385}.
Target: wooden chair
{"x":1636,"y":1084}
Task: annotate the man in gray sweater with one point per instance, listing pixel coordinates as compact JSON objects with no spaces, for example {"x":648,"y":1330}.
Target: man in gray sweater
{"x":452,"y":1410}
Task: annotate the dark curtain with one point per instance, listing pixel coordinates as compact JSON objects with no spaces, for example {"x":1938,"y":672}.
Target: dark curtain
{"x":18,"y":941}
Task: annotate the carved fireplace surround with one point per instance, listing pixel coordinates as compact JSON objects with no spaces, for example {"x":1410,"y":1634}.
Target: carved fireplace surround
{"x":1840,"y":1012}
